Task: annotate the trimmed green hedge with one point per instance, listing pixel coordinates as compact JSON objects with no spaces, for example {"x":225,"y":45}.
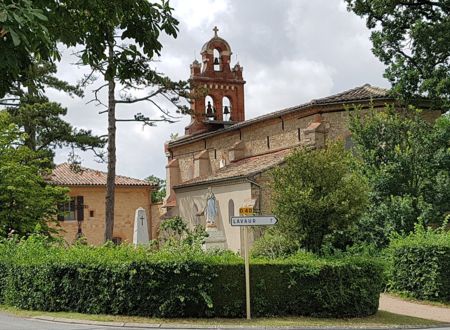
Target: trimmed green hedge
{"x":188,"y":283}
{"x":420,"y":265}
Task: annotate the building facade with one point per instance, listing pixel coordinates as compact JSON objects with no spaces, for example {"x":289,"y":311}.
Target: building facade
{"x":231,"y":156}
{"x":84,"y":215}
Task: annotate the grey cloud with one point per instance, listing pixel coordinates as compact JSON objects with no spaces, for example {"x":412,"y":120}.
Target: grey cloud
{"x":291,"y":50}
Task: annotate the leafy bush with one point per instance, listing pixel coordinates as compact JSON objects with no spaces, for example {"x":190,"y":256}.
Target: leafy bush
{"x":420,"y":264}
{"x":185,"y":282}
{"x":274,"y":244}
{"x":317,"y":194}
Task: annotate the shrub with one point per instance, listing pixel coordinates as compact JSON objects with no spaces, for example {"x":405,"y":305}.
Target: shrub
{"x":317,"y":194}
{"x":420,"y":264}
{"x":187,"y":282}
{"x":274,"y":244}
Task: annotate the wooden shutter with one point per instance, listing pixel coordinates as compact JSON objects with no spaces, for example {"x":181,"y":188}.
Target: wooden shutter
{"x":80,"y":208}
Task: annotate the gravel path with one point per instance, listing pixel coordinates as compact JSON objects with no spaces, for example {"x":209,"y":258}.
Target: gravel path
{"x":398,"y":306}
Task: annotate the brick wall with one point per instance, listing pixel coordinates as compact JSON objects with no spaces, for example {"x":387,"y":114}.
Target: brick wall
{"x":128,"y":199}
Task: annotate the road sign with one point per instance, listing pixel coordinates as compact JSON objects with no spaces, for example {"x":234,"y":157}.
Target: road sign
{"x":254,"y":221}
{"x":246,"y":211}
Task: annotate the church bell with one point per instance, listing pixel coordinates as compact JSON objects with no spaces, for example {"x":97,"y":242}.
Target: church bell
{"x":226,"y":110}
{"x":216,"y":61}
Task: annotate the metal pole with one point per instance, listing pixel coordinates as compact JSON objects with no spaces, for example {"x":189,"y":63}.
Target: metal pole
{"x":247,"y":273}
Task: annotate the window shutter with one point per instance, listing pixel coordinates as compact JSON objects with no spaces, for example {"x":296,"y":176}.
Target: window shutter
{"x":80,"y":208}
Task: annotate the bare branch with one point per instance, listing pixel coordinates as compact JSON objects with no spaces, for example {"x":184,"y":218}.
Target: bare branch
{"x":145,"y":98}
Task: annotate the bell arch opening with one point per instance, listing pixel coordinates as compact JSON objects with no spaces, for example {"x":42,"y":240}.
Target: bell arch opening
{"x":226,"y":108}
{"x":217,"y":60}
{"x":210,"y":111}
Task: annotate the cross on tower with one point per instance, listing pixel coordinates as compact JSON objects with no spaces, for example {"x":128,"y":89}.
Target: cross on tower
{"x":215,"y":31}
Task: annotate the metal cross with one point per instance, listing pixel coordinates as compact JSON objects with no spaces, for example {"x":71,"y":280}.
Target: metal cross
{"x":215,"y":31}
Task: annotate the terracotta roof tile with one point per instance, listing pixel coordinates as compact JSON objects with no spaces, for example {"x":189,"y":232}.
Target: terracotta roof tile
{"x":63,"y":175}
{"x":361,"y":93}
{"x":242,"y":168}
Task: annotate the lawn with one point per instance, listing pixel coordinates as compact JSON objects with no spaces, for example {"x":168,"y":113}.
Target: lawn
{"x":380,"y":319}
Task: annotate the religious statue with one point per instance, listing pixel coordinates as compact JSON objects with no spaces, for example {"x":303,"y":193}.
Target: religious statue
{"x":210,"y":209}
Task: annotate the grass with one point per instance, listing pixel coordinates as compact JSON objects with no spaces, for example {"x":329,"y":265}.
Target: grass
{"x":380,"y":319}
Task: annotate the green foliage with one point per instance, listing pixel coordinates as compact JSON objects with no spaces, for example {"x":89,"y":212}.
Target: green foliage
{"x":157,"y":195}
{"x":407,"y":163}
{"x":174,"y":232}
{"x":317,"y":194}
{"x":412,"y":38}
{"x":24,"y":38}
{"x":26,"y":201}
{"x":273,"y":244}
{"x":182,"y":283}
{"x":420,"y":264}
{"x":45,"y":129}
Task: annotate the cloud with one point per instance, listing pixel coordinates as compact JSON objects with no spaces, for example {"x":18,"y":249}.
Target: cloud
{"x":292,"y":51}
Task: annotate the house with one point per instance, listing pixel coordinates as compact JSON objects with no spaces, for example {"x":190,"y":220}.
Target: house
{"x":85,"y":213}
{"x":222,"y":162}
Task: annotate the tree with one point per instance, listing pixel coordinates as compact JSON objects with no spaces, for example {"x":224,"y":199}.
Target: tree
{"x":27,"y":203}
{"x":24,"y":38}
{"x":46,"y":130}
{"x":412,"y":38}
{"x":407,"y":163}
{"x":119,"y":40}
{"x":317,"y":193}
{"x":157,"y":195}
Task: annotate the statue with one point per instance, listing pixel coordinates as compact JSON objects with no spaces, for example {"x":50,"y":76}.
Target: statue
{"x":210,"y":209}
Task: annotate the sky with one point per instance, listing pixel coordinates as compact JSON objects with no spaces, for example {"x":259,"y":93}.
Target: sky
{"x":292,"y":51}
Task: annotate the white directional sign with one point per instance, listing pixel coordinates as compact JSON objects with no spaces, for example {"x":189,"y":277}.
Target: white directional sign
{"x":253,"y":221}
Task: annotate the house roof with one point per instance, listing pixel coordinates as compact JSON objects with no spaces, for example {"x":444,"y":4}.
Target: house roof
{"x":242,"y":168}
{"x":65,"y":175}
{"x":358,"y":94}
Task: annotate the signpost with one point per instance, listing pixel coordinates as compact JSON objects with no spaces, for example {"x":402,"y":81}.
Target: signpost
{"x":245,"y":220}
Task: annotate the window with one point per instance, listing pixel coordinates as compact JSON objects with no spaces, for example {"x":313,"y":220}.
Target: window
{"x":72,"y":210}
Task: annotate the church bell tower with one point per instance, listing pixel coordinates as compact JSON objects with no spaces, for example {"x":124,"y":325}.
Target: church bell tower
{"x":217,"y":89}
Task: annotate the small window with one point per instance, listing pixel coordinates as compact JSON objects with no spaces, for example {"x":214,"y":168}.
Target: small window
{"x":72,"y":210}
{"x":91,"y":213}
{"x":299,"y":134}
{"x":268,"y":142}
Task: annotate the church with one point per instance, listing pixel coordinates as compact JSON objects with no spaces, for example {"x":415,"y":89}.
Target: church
{"x":222,"y":163}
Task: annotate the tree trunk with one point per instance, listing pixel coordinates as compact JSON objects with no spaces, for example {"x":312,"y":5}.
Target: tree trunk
{"x":110,"y":181}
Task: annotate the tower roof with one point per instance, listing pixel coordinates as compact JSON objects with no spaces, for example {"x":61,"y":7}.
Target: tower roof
{"x":216,"y":41}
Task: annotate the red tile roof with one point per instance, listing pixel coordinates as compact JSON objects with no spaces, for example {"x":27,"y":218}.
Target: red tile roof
{"x":242,"y":168}
{"x":363,"y":93}
{"x":64,"y":175}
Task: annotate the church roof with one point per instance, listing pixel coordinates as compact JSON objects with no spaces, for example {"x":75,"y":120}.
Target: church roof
{"x":242,"y":168}
{"x":65,"y":175}
{"x":363,"y":93}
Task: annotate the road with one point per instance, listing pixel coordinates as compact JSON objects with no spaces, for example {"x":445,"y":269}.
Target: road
{"x":8,"y":322}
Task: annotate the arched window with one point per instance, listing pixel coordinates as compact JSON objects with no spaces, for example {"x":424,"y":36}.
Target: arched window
{"x":226,"y":108}
{"x":230,"y":209}
{"x":210,"y":111}
{"x":217,"y":60}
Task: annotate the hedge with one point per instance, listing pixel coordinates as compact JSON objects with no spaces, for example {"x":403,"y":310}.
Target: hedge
{"x":420,"y":265}
{"x":189,"y":284}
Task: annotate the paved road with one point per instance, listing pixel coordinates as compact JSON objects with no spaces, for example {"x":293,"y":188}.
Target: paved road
{"x":8,"y":322}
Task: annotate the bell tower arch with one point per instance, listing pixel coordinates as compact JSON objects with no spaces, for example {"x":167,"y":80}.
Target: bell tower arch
{"x":221,"y":102}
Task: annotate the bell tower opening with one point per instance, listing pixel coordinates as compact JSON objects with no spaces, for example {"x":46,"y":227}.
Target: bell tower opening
{"x":226,"y":109}
{"x":210,"y":111}
{"x":219,"y":88}
{"x":216,"y":62}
